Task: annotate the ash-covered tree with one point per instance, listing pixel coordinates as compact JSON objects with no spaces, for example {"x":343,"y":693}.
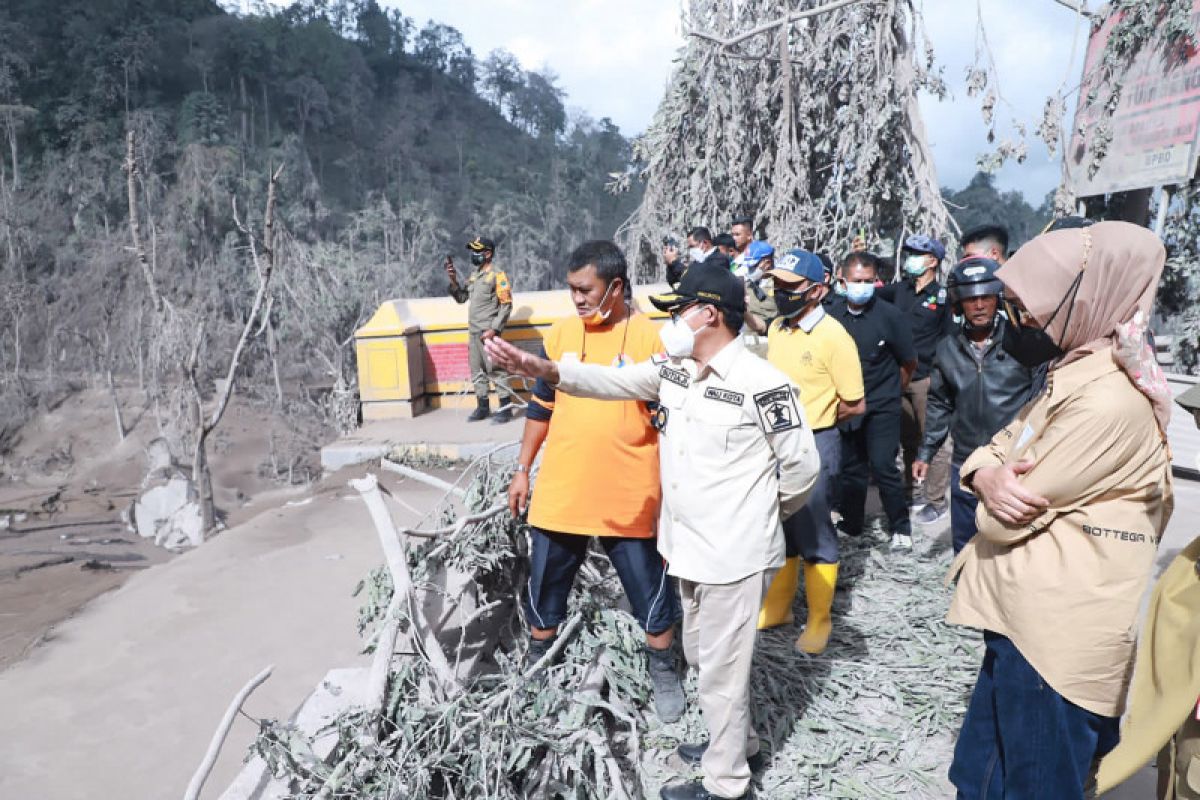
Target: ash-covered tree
{"x":804,"y":117}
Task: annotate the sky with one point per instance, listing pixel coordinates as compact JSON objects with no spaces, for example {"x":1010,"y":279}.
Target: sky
{"x":614,"y":58}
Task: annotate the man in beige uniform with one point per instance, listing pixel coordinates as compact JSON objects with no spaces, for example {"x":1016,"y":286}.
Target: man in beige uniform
{"x":736,"y":456}
{"x":488,"y":295}
{"x":1075,"y":494}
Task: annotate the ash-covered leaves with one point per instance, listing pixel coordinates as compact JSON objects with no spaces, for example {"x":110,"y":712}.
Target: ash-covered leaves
{"x":875,"y":716}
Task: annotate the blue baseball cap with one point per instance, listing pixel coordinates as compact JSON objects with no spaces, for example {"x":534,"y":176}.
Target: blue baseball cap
{"x":796,"y":265}
{"x":925,"y":244}
{"x":756,"y":251}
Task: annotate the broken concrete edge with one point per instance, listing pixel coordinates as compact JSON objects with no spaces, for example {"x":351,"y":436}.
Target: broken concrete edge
{"x":348,"y":454}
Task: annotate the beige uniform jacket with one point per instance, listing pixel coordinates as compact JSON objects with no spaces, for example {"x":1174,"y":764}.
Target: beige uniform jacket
{"x":1066,"y":587}
{"x":735,"y":456}
{"x":489,"y":294}
{"x":1166,"y":678}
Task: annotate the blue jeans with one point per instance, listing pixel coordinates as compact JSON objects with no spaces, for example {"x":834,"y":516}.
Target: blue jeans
{"x":554,"y":558}
{"x":962,"y":511}
{"x":1021,"y":740}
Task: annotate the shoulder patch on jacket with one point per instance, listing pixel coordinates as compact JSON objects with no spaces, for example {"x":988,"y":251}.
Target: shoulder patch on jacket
{"x":503,"y":288}
{"x":675,"y":376}
{"x":725,"y":396}
{"x":777,"y":409}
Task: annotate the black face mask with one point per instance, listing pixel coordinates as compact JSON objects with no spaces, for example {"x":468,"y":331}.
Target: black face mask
{"x":1032,"y":347}
{"x":478,"y":259}
{"x":793,"y":304}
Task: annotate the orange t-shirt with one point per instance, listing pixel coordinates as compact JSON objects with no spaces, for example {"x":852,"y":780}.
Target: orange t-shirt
{"x":599,"y":471}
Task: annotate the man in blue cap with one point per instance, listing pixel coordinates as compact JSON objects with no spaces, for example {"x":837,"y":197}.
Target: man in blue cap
{"x":752,"y":266}
{"x":923,"y":301}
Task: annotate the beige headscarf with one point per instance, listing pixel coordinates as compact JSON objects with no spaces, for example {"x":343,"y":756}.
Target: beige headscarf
{"x":1121,"y":264}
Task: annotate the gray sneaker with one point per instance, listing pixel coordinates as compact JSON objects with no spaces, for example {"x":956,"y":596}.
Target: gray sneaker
{"x":901,"y":541}
{"x":930,"y":514}
{"x":669,"y":700}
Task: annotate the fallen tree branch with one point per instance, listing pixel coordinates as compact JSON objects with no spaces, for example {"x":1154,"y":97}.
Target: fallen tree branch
{"x":402,"y":584}
{"x":423,"y":477}
{"x":218,"y":739}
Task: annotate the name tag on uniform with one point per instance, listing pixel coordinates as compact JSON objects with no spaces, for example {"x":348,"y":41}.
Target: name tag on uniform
{"x":725,"y":396}
{"x":674,"y":376}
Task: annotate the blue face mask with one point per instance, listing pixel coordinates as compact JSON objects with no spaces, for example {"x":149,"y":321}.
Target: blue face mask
{"x":915,"y":266}
{"x":860,"y":293}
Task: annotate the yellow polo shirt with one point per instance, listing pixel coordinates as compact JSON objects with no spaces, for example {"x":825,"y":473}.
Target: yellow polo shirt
{"x":822,"y":359}
{"x":599,"y":471}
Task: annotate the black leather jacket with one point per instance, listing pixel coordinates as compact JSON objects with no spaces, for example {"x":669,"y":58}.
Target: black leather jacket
{"x":971,"y":398}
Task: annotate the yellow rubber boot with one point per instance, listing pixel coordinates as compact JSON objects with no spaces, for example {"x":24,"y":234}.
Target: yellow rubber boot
{"x":777,"y":605}
{"x":819,"y":582}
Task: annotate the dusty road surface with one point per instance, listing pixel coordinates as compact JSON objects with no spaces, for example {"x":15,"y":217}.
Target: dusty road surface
{"x":122,"y":701}
{"x":66,"y":485}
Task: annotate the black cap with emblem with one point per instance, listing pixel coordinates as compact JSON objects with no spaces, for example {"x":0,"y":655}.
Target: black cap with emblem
{"x":707,"y":282}
{"x":481,"y":243}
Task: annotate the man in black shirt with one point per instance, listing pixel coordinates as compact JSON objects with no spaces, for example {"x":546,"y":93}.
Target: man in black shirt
{"x":923,"y":302}
{"x":870,"y":442}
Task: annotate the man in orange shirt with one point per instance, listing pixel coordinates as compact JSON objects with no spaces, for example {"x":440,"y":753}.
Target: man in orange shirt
{"x":599,"y":472}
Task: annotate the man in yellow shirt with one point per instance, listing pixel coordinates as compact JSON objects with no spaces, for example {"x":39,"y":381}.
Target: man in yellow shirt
{"x":815,"y":351}
{"x":599,"y":472}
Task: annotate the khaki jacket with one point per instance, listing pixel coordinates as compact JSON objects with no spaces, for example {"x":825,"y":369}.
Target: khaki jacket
{"x":1166,"y":681}
{"x":1066,"y":587}
{"x":490,"y":295}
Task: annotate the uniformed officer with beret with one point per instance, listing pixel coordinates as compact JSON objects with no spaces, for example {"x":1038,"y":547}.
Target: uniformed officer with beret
{"x":736,"y":456}
{"x":488,"y":294}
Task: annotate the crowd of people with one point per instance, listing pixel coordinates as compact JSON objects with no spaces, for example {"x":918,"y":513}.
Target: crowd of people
{"x":717,"y":460}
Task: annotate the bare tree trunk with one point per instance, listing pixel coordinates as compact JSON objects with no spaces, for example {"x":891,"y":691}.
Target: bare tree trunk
{"x":265,"y":268}
{"x":272,"y":350}
{"x":116,"y":402}
{"x":242,"y":104}
{"x":11,"y":119}
{"x":131,"y":171}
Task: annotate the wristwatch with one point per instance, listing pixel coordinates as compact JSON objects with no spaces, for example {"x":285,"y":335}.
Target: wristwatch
{"x":521,"y":468}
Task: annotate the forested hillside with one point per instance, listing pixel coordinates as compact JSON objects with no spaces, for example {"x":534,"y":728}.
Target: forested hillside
{"x":396,"y":143}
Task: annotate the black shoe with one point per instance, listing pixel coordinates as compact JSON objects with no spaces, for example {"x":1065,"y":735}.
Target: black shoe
{"x":693,"y":753}
{"x":502,"y":416}
{"x":693,"y":790}
{"x":483,"y":410}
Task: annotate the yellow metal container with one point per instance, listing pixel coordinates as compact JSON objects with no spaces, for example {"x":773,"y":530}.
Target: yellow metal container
{"x":412,"y":354}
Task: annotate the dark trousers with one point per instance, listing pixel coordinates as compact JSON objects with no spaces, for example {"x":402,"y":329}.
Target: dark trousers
{"x":809,"y":532}
{"x":555,"y":558}
{"x":872,"y":446}
{"x":962,"y":511}
{"x":1021,"y":740}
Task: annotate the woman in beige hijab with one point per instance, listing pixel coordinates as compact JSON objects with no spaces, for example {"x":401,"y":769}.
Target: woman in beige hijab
{"x":1074,"y":494}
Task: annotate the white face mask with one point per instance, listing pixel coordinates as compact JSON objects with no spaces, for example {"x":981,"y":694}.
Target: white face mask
{"x":678,"y":337}
{"x":697,"y":255}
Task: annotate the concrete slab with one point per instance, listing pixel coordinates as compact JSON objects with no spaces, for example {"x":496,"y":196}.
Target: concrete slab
{"x":443,"y":432}
{"x":122,"y":700}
